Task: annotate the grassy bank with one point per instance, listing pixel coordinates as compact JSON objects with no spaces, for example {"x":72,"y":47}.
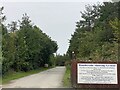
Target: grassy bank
{"x":66,"y":79}
{"x":16,"y":75}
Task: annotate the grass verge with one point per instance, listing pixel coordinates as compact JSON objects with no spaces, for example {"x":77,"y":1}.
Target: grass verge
{"x":66,"y":79}
{"x":0,"y":79}
{"x":16,"y":75}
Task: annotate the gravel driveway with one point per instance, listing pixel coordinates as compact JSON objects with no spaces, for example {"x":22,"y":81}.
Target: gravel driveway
{"x":51,"y":78}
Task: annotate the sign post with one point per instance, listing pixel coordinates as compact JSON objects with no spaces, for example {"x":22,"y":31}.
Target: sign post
{"x":95,"y":75}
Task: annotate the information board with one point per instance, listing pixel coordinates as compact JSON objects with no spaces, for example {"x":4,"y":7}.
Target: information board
{"x":90,"y":73}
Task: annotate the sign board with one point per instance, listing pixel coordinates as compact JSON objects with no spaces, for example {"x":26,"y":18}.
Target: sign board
{"x":90,"y":73}
{"x":95,"y":74}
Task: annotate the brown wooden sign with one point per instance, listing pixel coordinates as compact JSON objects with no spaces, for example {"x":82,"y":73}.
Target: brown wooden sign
{"x":95,"y":74}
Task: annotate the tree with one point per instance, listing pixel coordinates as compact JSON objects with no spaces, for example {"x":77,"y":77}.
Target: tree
{"x":26,"y":47}
{"x":89,"y":17}
{"x":13,"y":26}
{"x":96,"y":34}
{"x":2,"y":16}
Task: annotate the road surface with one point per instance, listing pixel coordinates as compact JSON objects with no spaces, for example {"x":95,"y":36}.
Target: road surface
{"x":51,"y":78}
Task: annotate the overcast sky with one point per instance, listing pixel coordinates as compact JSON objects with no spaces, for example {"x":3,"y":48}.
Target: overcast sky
{"x":56,"y":19}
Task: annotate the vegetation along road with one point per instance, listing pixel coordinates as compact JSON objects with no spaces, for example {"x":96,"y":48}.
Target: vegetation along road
{"x":51,"y":78}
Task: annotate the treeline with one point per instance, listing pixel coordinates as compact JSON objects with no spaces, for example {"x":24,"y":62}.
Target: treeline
{"x":96,"y":37}
{"x":62,"y":60}
{"x":25,"y":47}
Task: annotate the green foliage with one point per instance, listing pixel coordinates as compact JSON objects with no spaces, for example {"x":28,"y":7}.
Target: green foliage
{"x":62,"y":60}
{"x":2,"y":16}
{"x":26,"y":47}
{"x":66,"y":78}
{"x":0,"y":51}
{"x":96,"y":35}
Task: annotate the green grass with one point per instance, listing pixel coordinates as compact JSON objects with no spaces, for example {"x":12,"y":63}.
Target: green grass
{"x":66,"y":79}
{"x":16,"y":75}
{"x":0,"y":79}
